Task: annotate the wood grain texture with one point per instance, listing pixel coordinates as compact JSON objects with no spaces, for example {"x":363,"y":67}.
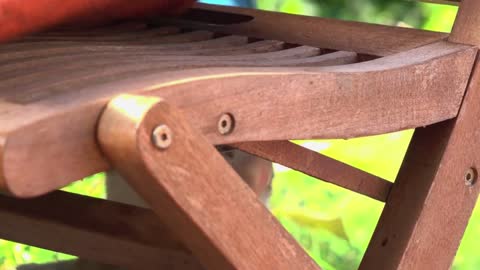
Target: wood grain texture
{"x":228,"y":45}
{"x":193,"y":189}
{"x":467,"y":24}
{"x":24,"y":75}
{"x":99,"y":230}
{"x":404,"y":205}
{"x":430,"y":204}
{"x":407,"y":90}
{"x":313,"y":31}
{"x":319,"y":166}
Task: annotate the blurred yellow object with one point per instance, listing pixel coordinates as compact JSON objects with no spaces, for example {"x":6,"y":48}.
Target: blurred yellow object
{"x":313,"y":220}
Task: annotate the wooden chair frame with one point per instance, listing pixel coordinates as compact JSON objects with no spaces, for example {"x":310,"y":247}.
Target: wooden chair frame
{"x":159,"y":132}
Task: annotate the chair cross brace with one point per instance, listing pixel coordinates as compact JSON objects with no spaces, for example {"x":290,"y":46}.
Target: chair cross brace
{"x":192,"y":189}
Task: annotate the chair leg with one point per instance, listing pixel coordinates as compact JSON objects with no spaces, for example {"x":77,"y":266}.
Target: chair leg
{"x":97,"y":230}
{"x":434,"y":195}
{"x":189,"y":185}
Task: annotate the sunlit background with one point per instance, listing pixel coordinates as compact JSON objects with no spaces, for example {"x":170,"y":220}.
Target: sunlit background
{"x":334,"y":225}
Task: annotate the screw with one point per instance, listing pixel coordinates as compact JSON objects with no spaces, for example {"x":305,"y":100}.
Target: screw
{"x":470,"y":177}
{"x":226,"y":124}
{"x":162,"y":136}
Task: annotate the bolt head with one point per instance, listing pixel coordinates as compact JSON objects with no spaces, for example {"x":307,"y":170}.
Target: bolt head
{"x":470,"y":177}
{"x":226,"y":124}
{"x":162,"y":136}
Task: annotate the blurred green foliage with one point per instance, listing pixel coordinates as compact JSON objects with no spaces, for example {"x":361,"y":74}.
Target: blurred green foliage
{"x":332,"y":224}
{"x":374,"y":11}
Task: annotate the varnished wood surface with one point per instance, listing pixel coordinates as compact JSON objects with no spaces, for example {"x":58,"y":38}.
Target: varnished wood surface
{"x":466,"y":27}
{"x":193,"y":189}
{"x":313,"y":31}
{"x":316,"y":165}
{"x":402,"y":209}
{"x":431,"y":202}
{"x":63,"y":107}
{"x":104,"y":231}
{"x":53,"y":118}
{"x":53,"y":87}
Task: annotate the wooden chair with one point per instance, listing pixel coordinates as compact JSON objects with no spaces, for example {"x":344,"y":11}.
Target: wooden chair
{"x":150,"y":99}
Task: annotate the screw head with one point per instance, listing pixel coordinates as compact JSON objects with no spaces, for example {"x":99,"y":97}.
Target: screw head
{"x":470,"y":177}
{"x":162,"y":136}
{"x":226,"y":124}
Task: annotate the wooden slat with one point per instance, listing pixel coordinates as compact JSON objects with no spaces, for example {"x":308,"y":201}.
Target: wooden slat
{"x":103,"y":71}
{"x":109,"y":29}
{"x":319,"y":166}
{"x":194,"y":190}
{"x":94,"y":229}
{"x":145,"y":35}
{"x":35,"y":52}
{"x":24,"y":70}
{"x":229,"y":45}
{"x":239,"y":54}
{"x":269,"y":103}
{"x":180,"y":38}
{"x":318,"y":32}
{"x":25,"y":75}
{"x":53,"y":48}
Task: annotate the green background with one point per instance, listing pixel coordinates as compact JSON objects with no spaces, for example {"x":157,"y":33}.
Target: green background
{"x":334,"y":225}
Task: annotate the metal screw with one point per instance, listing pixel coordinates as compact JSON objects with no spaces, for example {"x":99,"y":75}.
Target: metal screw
{"x":162,"y":136}
{"x":226,"y":124}
{"x":470,"y":177}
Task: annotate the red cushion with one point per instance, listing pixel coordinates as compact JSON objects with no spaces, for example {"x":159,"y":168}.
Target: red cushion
{"x":20,"y":17}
